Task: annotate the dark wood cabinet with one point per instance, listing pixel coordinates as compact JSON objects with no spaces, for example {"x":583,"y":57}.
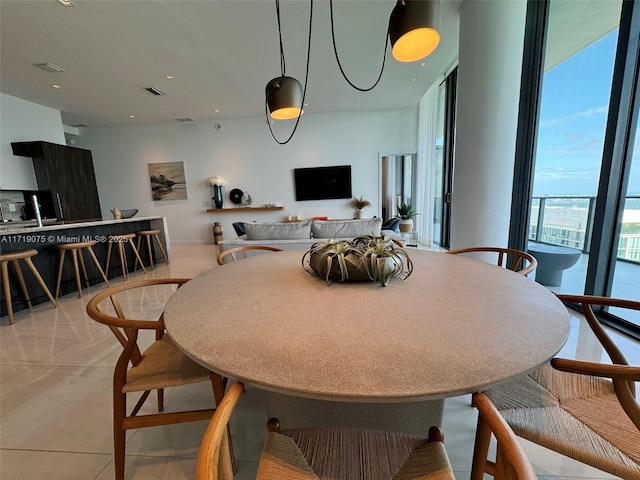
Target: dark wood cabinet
{"x":66,"y":172}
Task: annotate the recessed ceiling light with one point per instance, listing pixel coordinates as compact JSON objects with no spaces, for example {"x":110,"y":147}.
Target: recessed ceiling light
{"x":423,"y":64}
{"x":414,"y":80}
{"x":132,"y":116}
{"x":56,"y":86}
{"x":216,"y":110}
{"x":66,"y":3}
{"x":169,"y":77}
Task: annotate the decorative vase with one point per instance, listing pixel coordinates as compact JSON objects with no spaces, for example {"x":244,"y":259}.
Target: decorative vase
{"x":217,"y":195}
{"x":406,"y":225}
{"x":359,"y":213}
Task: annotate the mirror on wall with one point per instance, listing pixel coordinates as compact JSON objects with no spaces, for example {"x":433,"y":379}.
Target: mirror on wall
{"x":397,"y":182}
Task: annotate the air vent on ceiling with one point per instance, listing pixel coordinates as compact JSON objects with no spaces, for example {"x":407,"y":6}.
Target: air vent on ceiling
{"x":49,"y":67}
{"x":185,"y":119}
{"x":154,"y":90}
{"x":80,"y":125}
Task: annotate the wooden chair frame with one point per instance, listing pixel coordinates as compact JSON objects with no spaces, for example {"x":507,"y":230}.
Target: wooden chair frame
{"x":518,"y":258}
{"x":622,"y":375}
{"x":126,"y":331}
{"x":244,"y":249}
{"x":511,"y":463}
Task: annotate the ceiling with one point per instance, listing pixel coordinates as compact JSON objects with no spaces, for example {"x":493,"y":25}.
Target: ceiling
{"x":221,"y":53}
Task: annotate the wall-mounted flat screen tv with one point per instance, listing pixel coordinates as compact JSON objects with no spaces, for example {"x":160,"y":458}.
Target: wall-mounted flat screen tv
{"x":323,"y":183}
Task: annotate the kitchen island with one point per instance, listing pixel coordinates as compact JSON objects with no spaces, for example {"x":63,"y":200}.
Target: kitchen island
{"x":16,"y":236}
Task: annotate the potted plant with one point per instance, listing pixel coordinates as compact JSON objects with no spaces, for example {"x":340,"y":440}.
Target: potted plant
{"x":365,"y":258}
{"x":406,"y":212}
{"x":359,"y":204}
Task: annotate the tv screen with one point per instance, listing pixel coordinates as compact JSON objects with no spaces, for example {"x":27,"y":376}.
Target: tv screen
{"x":323,"y":183}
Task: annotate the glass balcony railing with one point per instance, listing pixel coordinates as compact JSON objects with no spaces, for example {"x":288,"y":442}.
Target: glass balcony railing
{"x":568,"y":221}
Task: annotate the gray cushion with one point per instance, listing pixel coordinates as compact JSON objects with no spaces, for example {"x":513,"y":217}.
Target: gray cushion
{"x":346,"y":228}
{"x":278,"y":231}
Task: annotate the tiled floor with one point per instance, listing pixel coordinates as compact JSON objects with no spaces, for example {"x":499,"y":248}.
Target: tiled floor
{"x":55,"y":401}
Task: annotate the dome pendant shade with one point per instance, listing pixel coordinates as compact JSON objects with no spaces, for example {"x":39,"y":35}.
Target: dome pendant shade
{"x":284,"y":98}
{"x":412,"y":30}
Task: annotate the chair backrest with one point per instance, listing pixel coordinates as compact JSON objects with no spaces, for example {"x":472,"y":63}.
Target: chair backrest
{"x":511,"y":460}
{"x":516,"y":260}
{"x":231,"y":253}
{"x":214,"y":461}
{"x":106,"y":308}
{"x":621,"y":373}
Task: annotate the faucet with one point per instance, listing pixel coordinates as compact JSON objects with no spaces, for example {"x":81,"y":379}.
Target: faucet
{"x":36,"y":209}
{"x":2,"y":217}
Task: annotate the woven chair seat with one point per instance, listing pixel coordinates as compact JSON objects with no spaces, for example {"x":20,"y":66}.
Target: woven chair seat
{"x":582,"y":419}
{"x":354,"y":454}
{"x":163,"y":366}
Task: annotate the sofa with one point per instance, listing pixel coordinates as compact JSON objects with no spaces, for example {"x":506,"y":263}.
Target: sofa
{"x":303,"y":234}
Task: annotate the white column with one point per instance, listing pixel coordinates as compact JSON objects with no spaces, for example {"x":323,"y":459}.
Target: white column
{"x":489,"y":71}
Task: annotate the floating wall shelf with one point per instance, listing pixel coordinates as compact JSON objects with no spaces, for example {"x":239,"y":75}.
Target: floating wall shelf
{"x":242,"y":209}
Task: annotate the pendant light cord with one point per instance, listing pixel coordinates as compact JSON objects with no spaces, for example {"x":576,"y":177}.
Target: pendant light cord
{"x":335,"y":50}
{"x":282,"y":68}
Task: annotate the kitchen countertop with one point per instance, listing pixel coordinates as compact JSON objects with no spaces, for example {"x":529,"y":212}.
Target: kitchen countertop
{"x":15,"y":228}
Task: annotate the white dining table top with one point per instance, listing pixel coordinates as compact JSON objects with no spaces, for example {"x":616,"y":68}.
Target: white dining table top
{"x":455,"y":326}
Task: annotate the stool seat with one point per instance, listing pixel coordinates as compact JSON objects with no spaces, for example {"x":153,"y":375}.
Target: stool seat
{"x":13,"y":257}
{"x":73,"y":248}
{"x":121,"y":240}
{"x":148,"y":234}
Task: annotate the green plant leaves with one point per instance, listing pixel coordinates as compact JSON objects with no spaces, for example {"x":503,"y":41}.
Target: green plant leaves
{"x":365,"y":258}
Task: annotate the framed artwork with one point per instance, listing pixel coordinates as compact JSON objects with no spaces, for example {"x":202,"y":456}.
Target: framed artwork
{"x":168,"y":181}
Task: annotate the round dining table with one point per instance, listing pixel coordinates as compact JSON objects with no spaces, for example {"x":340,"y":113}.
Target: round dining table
{"x":455,"y":326}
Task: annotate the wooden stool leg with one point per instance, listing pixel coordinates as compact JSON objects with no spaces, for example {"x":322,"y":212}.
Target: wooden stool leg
{"x":60,"y":265}
{"x":123,"y":261}
{"x":95,"y":260}
{"x":23,"y":286}
{"x":74,"y":257}
{"x":83,"y":267}
{"x":7,"y":290}
{"x":36,"y":274}
{"x":139,"y":239}
{"x":135,"y":251}
{"x":106,"y":265}
{"x":164,"y":254}
{"x":149,"y":251}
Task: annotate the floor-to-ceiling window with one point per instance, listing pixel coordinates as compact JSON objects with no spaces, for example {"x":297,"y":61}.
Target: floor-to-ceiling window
{"x":585,"y":191}
{"x":443,"y":169}
{"x":574,"y":102}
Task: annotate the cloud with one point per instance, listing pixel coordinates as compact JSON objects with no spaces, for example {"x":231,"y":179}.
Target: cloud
{"x":574,"y":116}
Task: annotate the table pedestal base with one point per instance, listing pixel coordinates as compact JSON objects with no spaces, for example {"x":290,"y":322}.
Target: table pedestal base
{"x":413,"y":418}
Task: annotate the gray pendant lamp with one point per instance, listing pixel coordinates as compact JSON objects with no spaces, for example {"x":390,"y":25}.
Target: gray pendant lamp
{"x":412,"y":29}
{"x":411,"y":32}
{"x":284,"y":98}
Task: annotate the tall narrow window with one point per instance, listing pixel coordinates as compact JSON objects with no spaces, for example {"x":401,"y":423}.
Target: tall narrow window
{"x":576,"y":88}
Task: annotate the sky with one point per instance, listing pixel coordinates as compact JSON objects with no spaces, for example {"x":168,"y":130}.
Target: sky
{"x":573,"y":115}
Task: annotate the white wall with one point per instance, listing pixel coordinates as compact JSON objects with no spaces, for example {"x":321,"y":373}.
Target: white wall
{"x":23,"y":121}
{"x":246,"y":156}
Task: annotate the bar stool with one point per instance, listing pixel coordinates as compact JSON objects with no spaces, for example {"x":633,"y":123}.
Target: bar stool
{"x":121,"y":240}
{"x":13,"y":257}
{"x":74,"y":249}
{"x":148,"y":234}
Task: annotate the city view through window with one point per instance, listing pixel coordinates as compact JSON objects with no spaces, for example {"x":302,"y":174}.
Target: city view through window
{"x":576,"y":90}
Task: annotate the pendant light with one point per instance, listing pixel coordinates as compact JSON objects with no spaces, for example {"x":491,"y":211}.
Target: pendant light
{"x":411,"y":32}
{"x":412,"y":29}
{"x":284,"y":96}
